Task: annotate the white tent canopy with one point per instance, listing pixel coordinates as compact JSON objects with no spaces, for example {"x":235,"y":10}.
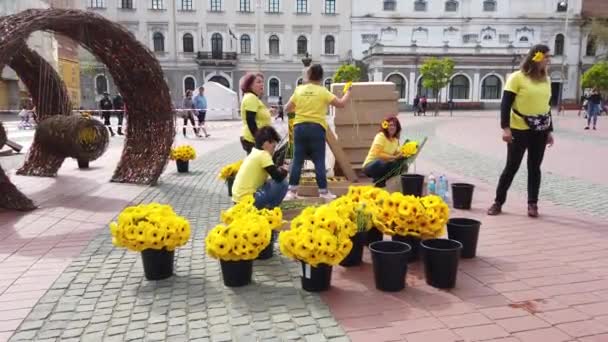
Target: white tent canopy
{"x":222,"y":103}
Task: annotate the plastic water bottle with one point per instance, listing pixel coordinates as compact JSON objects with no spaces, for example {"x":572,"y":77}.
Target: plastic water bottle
{"x":445,"y":190}
{"x":440,"y":186}
{"x":432,"y":185}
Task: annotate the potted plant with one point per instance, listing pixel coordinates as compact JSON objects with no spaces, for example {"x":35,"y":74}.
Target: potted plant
{"x":182,"y":156}
{"x":369,"y":195}
{"x":228,"y":173}
{"x":155,"y":230}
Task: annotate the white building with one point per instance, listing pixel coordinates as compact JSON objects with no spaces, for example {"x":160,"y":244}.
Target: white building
{"x":220,"y":40}
{"x":485,"y":38}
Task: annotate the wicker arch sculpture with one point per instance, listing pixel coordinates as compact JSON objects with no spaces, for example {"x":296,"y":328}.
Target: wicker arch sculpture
{"x":135,"y":71}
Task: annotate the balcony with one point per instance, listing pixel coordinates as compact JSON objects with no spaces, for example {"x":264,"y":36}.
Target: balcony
{"x":205,"y":58}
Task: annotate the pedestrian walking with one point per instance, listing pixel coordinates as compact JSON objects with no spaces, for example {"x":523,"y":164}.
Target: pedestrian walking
{"x":254,"y":112}
{"x":106,"y":106}
{"x":200,"y":103}
{"x":417,"y":110}
{"x":527,"y":125}
{"x":280,"y":110}
{"x":594,"y":105}
{"x":119,"y":105}
{"x":188,"y":113}
{"x":423,"y":104}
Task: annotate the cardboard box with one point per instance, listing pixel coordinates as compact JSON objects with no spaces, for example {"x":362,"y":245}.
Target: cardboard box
{"x":369,"y":91}
{"x":365,"y":112}
{"x":338,"y":187}
{"x":357,"y":135}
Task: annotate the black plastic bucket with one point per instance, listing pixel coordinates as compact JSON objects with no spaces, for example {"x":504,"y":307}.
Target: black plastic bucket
{"x":462,"y":195}
{"x":236,"y":273}
{"x":412,"y":184}
{"x":355,"y":257}
{"x":158,"y":264}
{"x":441,"y":262}
{"x":373,"y":235}
{"x":229,"y":183}
{"x":316,"y":279}
{"x":83,"y":163}
{"x":182,"y":165}
{"x":390,"y":264}
{"x":465,"y":231}
{"x":268,"y":252}
{"x":413,"y":242}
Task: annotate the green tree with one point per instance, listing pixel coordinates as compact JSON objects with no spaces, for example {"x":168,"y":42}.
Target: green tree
{"x":347,"y":73}
{"x":599,"y":30}
{"x":436,"y":75}
{"x":597,"y":77}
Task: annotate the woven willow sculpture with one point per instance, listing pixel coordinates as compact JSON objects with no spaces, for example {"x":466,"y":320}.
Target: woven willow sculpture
{"x":10,"y":196}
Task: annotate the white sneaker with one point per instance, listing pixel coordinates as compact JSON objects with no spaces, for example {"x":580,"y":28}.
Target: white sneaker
{"x":291,"y":195}
{"x":327,"y":195}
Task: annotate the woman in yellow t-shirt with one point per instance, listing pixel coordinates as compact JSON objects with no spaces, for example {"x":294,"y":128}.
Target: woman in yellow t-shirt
{"x":383,"y":157}
{"x":310,"y":102}
{"x":526,"y":124}
{"x":254,"y":112}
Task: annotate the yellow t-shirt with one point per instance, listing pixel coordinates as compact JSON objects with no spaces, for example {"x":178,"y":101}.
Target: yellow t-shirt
{"x":311,"y":101}
{"x":263,"y":118}
{"x":251,"y":175}
{"x":532,"y":98}
{"x":381,"y":144}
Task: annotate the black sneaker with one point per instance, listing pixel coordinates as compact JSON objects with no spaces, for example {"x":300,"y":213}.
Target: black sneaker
{"x":495,"y":209}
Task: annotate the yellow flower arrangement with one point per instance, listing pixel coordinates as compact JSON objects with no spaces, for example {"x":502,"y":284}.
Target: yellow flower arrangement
{"x":538,"y":57}
{"x":409,"y":149}
{"x":150,"y":226}
{"x":184,"y":152}
{"x":230,"y":170}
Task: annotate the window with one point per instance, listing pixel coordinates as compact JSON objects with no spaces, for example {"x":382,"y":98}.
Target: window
{"x":591,"y":46}
{"x":188,"y":43}
{"x":559,"y":45}
{"x":273,"y":6}
{"x":273,"y":87}
{"x":491,"y":88}
{"x":101,"y":84}
{"x":327,"y":83}
{"x":245,"y":44}
{"x":470,"y":38}
{"x":562,"y":6}
{"x":489,"y":5}
{"x":216,"y":5}
{"x":399,"y":84}
{"x":157,"y":4}
{"x":301,"y":6}
{"x":420,"y":5}
{"x":504,"y":38}
{"x":330,"y":6}
{"x":245,"y":6}
{"x":187,"y":5}
{"x":302,"y":45}
{"x":390,"y":5}
{"x":216,"y":46}
{"x":273,"y":45}
{"x":487,"y":37}
{"x":524,"y":39}
{"x":126,"y":4}
{"x":330,"y":45}
{"x":451,"y":6}
{"x":459,"y":88}
{"x":97,"y":4}
{"x":422,"y":91}
{"x":189,"y":84}
{"x":159,"y":42}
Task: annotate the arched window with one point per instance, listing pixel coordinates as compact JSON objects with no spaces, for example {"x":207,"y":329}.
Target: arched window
{"x":459,"y":88}
{"x":591,"y":46}
{"x":330,"y":45}
{"x":491,"y":88}
{"x":216,"y":46}
{"x":101,"y":84}
{"x":189,"y":84}
{"x":188,"y":42}
{"x":245,"y":44}
{"x":327,"y":83}
{"x":489,"y":5}
{"x":300,"y":81}
{"x":273,"y":87}
{"x":420,"y":5}
{"x":273,"y":45}
{"x":423,"y":91}
{"x":524,"y":39}
{"x":559,"y":45}
{"x":399,"y":84}
{"x":390,"y":5}
{"x":302,"y":45}
{"x":451,"y":6}
{"x":159,"y":42}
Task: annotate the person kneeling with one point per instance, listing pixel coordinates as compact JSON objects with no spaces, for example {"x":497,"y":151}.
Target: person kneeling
{"x":384,"y":155}
{"x":252,"y":178}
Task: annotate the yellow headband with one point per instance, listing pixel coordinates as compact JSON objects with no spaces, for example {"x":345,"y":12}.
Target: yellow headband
{"x":538,"y":57}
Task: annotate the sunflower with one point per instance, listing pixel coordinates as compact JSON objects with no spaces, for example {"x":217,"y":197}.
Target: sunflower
{"x":385,"y":124}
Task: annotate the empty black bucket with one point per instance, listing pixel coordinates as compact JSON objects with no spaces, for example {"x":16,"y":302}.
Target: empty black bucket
{"x":465,"y":231}
{"x":441,"y":262}
{"x":412,"y":184}
{"x":316,"y":279}
{"x":462,"y":195}
{"x":158,"y":264}
{"x":182,"y":165}
{"x":268,"y":252}
{"x":390,"y":264}
{"x":236,"y":273}
{"x":355,"y":257}
{"x":413,"y":242}
{"x":373,"y":235}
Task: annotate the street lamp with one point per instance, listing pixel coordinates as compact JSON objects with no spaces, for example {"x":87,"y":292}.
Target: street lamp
{"x":564,"y":4}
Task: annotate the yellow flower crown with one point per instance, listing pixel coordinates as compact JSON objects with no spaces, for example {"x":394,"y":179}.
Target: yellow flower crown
{"x":538,"y":57}
{"x":385,"y":124}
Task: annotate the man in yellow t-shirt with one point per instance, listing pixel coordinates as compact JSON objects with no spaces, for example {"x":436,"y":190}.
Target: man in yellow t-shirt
{"x":252,"y":178}
{"x":383,"y":156}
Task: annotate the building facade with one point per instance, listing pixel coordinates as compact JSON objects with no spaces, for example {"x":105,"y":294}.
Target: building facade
{"x":485,"y":38}
{"x":198,"y":41}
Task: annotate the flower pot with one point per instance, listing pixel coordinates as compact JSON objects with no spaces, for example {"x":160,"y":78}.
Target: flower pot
{"x":182,"y":165}
{"x":268,"y":252}
{"x":316,"y":279}
{"x":83,"y":163}
{"x":462,"y":195}
{"x":158,"y":264}
{"x":390,"y":264}
{"x":413,"y":242}
{"x":412,"y":184}
{"x":355,"y":257}
{"x":465,"y":231}
{"x":236,"y":273}
{"x":229,"y":183}
{"x":373,"y":235}
{"x":441,"y":262}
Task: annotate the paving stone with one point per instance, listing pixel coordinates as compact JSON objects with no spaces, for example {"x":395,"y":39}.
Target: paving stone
{"x":72,"y":333}
{"x":24,"y":335}
{"x":308,"y":330}
{"x":157,"y":336}
{"x":116,"y":330}
{"x":301,"y":321}
{"x":135,"y":334}
{"x":31,"y":325}
{"x":315,"y":338}
{"x":177,"y":330}
{"x":224,"y":337}
{"x":156,"y":327}
{"x":198,"y":333}
{"x":333,"y":332}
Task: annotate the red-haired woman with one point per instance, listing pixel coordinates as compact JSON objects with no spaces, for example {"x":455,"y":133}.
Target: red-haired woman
{"x":383,"y":157}
{"x":254,"y":112}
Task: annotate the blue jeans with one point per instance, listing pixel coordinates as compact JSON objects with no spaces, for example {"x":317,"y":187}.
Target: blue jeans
{"x":270,"y":195}
{"x":378,"y":169}
{"x":309,"y":142}
{"x":592,"y":113}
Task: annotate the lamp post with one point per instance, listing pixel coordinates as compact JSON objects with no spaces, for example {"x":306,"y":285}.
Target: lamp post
{"x":564,"y":3}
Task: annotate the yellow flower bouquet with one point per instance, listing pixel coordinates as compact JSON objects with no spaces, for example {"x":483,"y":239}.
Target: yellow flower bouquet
{"x":184,"y":152}
{"x":409,"y":149}
{"x":230,"y":170}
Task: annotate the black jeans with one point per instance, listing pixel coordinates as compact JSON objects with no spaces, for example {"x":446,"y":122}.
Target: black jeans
{"x":189,"y":117}
{"x":535,"y":143}
{"x":379,"y":169}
